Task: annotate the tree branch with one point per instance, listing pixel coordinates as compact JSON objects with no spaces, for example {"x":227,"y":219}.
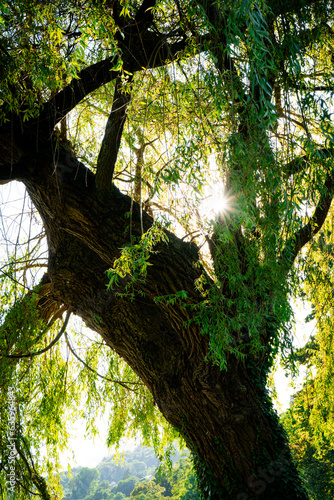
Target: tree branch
{"x":298,"y":164}
{"x":315,"y":88}
{"x":135,"y":50}
{"x":307,"y":232}
{"x":144,"y":14}
{"x":111,"y":142}
{"x":36,"y":478}
{"x":140,"y":48}
{"x":139,"y":152}
{"x":37,"y":353}
{"x":114,"y":381}
{"x":88,"y":80}
{"x":49,"y":310}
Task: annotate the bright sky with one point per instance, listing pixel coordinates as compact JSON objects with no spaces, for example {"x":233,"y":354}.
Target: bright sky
{"x":285,"y":385}
{"x":88,"y":452}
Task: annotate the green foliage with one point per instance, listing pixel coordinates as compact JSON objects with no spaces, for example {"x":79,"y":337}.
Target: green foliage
{"x":126,"y":486}
{"x":171,"y":299}
{"x":44,"y":45}
{"x":309,"y":420}
{"x":148,"y":491}
{"x":314,"y":460}
{"x":134,"y":261}
{"x":85,"y":480}
{"x":38,"y":393}
{"x":183,"y":481}
{"x":46,"y":396}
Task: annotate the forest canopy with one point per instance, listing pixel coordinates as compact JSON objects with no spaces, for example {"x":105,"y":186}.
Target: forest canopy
{"x":175,"y":163}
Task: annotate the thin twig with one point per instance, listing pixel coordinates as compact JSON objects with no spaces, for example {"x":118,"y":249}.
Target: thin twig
{"x":114,"y":381}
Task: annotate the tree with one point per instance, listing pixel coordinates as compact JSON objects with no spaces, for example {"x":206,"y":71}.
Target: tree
{"x":85,"y":480}
{"x":309,"y":421}
{"x":119,"y":496}
{"x":102,"y":492}
{"x":126,"y":485}
{"x":148,"y":491}
{"x":180,"y":481}
{"x":233,"y":92}
{"x":184,"y":481}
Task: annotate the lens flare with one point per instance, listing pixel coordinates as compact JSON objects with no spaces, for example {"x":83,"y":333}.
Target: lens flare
{"x":216,"y":203}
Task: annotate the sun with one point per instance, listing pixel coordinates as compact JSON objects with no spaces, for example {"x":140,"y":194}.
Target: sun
{"x":215,"y":203}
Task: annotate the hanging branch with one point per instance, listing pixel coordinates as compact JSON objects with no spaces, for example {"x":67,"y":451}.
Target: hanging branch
{"x":55,"y":340}
{"x":114,"y":381}
{"x":54,"y":110}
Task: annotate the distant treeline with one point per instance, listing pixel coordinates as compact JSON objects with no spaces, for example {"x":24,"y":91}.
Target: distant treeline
{"x":134,"y":475}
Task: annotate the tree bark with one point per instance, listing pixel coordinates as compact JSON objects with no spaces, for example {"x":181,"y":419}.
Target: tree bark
{"x":225,"y":417}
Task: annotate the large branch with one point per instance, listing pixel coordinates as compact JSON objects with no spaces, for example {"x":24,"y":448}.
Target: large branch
{"x":111,"y":141}
{"x":88,"y":80}
{"x":93,"y":77}
{"x":315,"y":223}
{"x":18,"y":139}
{"x":138,"y":50}
{"x":298,"y":164}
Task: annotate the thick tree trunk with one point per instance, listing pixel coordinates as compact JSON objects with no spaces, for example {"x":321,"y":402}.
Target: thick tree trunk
{"x":225,"y":416}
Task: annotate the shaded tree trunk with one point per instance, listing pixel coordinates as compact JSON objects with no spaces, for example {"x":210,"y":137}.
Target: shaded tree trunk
{"x":225,"y":417}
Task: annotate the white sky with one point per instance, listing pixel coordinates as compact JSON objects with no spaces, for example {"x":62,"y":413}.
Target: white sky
{"x":88,"y":452}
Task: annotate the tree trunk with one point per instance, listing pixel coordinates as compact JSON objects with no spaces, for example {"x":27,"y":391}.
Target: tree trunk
{"x":226,"y":417}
